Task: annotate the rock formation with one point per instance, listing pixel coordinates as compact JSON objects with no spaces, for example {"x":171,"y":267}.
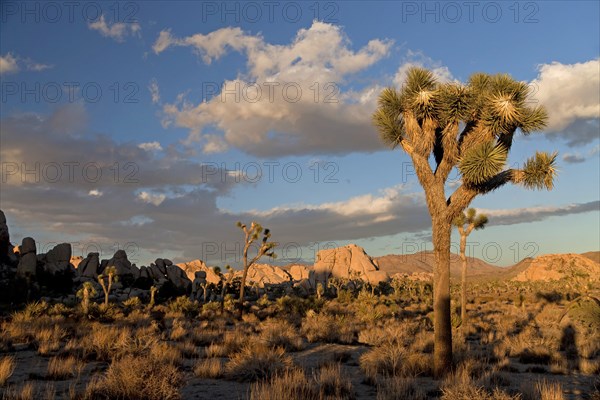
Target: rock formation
{"x":191,"y":267}
{"x":554,"y":267}
{"x":347,"y":262}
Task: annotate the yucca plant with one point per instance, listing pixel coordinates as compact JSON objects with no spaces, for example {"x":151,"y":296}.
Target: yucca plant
{"x":251,"y":234}
{"x":465,"y":223}
{"x":469,"y":127}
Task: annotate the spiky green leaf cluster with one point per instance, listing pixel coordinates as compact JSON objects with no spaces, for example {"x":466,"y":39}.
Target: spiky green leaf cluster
{"x":482,"y":162}
{"x":539,"y":171}
{"x":470,"y":217}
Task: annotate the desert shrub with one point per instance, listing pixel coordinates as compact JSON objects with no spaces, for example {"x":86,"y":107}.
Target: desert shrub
{"x":257,"y":361}
{"x":26,"y":392}
{"x":60,"y":368}
{"x":327,"y":383}
{"x":209,"y":368}
{"x":330,"y":383}
{"x":542,"y":390}
{"x":133,"y":378}
{"x":290,"y":384}
{"x":185,"y":306}
{"x":392,"y":359}
{"x":231,"y":342}
{"x":133,"y":303}
{"x":280,"y":333}
{"x":327,"y":328}
{"x":7,"y":367}
{"x":397,"y":388}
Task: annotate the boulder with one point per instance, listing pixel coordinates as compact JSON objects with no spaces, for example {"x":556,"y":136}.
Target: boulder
{"x":264,"y":274}
{"x":349,"y":261}
{"x":126,"y":272}
{"x":56,"y":272}
{"x":89,"y":266}
{"x":192,"y":267}
{"x":179,"y":279}
{"x":27,"y":267}
{"x":6,"y":249}
{"x":303,"y":273}
{"x":58,"y":259}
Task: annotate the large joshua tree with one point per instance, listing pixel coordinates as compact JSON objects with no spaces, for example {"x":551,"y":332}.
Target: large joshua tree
{"x":251,"y":234}
{"x":465,"y":223}
{"x":471,"y":127}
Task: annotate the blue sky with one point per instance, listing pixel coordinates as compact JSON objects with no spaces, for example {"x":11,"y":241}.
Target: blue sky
{"x":142,"y":127}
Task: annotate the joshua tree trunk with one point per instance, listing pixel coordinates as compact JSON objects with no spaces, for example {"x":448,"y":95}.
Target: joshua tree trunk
{"x":463,"y":281}
{"x":441,"y":297}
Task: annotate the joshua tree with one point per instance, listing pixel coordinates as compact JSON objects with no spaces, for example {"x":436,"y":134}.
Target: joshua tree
{"x":320,"y":290}
{"x":225,"y":281}
{"x":469,"y":127}
{"x":153,"y":290}
{"x":465,"y":224}
{"x":266,"y":248}
{"x":85,"y":293}
{"x":110,"y":273}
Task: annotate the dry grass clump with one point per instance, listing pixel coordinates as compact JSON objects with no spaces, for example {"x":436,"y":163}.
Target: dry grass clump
{"x":280,"y":333}
{"x":209,"y":368}
{"x":60,"y":368}
{"x":26,"y":392}
{"x":327,"y":328}
{"x":289,"y":384}
{"x":397,"y":388}
{"x":7,"y":367}
{"x":542,"y":390}
{"x":232,"y":341}
{"x":330,"y":382}
{"x":257,"y":361}
{"x":327,"y":383}
{"x":134,"y":378}
{"x":460,"y":386}
{"x":393,"y":359}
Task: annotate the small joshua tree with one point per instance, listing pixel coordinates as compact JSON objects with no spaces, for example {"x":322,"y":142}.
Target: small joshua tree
{"x":225,"y":282}
{"x":252,"y":234}
{"x":84,"y":294}
{"x":465,"y":223}
{"x":110,"y":274}
{"x":320,"y":290}
{"x":153,"y":290}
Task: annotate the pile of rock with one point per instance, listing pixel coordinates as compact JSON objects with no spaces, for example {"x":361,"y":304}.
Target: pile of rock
{"x":348,"y":262}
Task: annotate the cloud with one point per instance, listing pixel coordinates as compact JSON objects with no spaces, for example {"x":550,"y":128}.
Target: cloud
{"x":150,"y":146}
{"x":154,"y":91}
{"x":95,"y":193}
{"x":34,"y":66}
{"x":290,"y":100}
{"x":11,"y":64}
{"x":573,"y":158}
{"x":418,"y":59}
{"x":8,"y":64}
{"x":151,"y":198}
{"x":571,"y":94}
{"x":533,"y":214}
{"x":118,"y":31}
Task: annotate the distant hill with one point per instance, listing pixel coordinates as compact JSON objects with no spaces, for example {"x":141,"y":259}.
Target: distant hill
{"x":592,"y":255}
{"x":425,"y":260}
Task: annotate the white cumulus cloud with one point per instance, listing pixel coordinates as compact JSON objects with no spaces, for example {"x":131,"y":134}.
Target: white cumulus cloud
{"x":117,"y":31}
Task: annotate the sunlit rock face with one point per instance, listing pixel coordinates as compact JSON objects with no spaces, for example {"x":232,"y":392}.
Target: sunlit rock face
{"x":264,"y":274}
{"x":349,"y":261}
{"x":553,"y":267}
{"x":192,"y":267}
